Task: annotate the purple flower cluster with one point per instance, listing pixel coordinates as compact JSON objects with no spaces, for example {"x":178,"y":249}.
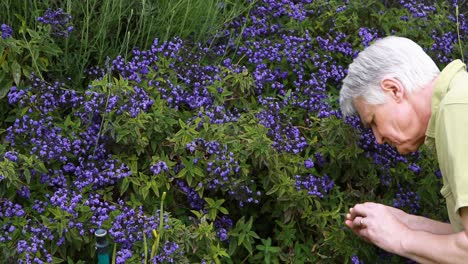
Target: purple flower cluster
{"x":308,"y":164}
{"x":123,"y":255}
{"x":222,"y":172}
{"x":42,"y":138}
{"x":418,"y":8}
{"x":6,"y":31}
{"x":167,"y":255}
{"x":314,"y":186}
{"x":414,"y":168}
{"x":10,"y":209}
{"x":39,"y":206}
{"x":266,"y":14}
{"x":159,"y":167}
{"x":34,"y":249}
{"x":193,"y":198}
{"x":66,"y":200}
{"x":99,"y":172}
{"x":355,"y":260}
{"x":405,"y":198}
{"x":367,"y":35}
{"x":311,"y":65}
{"x":444,"y":45}
{"x":101,"y":209}
{"x":286,"y":137}
{"x":336,"y":43}
{"x":192,"y":88}
{"x":6,"y":232}
{"x":45,"y":140}
{"x":11,"y":155}
{"x":44,"y":97}
{"x":223,"y":225}
{"x":343,"y":7}
{"x":129,"y":226}
{"x":95,"y":73}
{"x":15,"y":95}
{"x":24,"y":192}
{"x":59,"y":21}
{"x":218,"y":115}
{"x":135,"y":100}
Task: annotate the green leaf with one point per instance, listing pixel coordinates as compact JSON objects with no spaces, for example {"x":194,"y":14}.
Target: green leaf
{"x":16,"y":72}
{"x":56,"y":260}
{"x":223,"y":210}
{"x":124,"y":185}
{"x":51,"y":49}
{"x":145,"y":191}
{"x":5,"y":87}
{"x":27,"y":176}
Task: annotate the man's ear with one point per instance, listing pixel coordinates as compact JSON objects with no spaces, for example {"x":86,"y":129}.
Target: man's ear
{"x":393,"y":88}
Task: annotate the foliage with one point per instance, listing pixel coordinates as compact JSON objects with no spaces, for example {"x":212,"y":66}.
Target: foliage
{"x":219,"y":147}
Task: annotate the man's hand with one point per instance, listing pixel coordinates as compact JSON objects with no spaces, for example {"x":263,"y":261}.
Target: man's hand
{"x":378,"y":224}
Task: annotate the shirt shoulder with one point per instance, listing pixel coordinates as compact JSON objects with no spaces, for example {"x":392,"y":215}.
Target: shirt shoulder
{"x":451,"y":136}
{"x":457,"y":92}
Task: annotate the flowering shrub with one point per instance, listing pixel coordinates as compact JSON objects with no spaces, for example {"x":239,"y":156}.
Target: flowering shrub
{"x":227,"y":151}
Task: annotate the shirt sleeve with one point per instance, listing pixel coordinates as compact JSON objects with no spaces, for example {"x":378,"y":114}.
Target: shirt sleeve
{"x":452,"y":150}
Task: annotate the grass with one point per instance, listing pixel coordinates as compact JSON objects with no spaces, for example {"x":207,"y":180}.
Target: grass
{"x":108,"y":28}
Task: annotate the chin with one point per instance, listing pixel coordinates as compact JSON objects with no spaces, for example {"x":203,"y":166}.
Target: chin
{"x":406,"y":150}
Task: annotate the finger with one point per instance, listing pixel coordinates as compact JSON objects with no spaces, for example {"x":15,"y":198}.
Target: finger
{"x":359,"y":222}
{"x":351,"y":226}
{"x":349,"y":223}
{"x":359,"y":210}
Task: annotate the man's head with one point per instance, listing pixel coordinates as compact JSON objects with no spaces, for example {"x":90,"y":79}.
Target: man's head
{"x":385,"y":86}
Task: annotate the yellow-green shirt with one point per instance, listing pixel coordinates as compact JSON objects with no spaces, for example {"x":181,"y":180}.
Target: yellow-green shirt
{"x":448,"y":132}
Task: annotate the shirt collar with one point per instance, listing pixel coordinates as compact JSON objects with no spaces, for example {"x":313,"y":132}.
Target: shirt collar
{"x":440,"y":89}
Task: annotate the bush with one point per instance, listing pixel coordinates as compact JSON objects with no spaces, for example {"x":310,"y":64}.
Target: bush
{"x":189,"y":151}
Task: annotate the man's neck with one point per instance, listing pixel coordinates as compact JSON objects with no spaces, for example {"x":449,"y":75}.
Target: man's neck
{"x":422,"y":103}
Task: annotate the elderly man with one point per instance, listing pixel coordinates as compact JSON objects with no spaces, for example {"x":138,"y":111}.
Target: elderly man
{"x":399,"y":92}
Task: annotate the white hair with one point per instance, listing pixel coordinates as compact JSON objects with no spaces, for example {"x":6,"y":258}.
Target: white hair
{"x":389,"y":57}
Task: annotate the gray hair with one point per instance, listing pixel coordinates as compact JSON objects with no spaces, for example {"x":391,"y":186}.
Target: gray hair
{"x":389,"y":57}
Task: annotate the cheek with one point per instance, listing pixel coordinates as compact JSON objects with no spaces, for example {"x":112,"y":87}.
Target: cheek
{"x":406,"y":121}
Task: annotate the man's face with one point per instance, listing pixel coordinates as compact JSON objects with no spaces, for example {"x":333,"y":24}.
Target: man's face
{"x":395,"y":123}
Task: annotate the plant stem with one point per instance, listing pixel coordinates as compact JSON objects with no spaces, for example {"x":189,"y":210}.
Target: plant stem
{"x":458,"y":32}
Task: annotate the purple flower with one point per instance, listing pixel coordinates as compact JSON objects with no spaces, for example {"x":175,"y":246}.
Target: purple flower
{"x":414,"y":168}
{"x":24,"y":192}
{"x":308,"y":164}
{"x":6,"y":31}
{"x":193,"y":198}
{"x":367,"y":35}
{"x":11,"y":155}
{"x":59,"y":21}
{"x":313,"y":185}
{"x":101,"y":209}
{"x":222,"y":234}
{"x":356,"y":260}
{"x":122,"y":256}
{"x":128,"y":227}
{"x":159,"y":167}
{"x":407,"y":198}
{"x":168,"y":253}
